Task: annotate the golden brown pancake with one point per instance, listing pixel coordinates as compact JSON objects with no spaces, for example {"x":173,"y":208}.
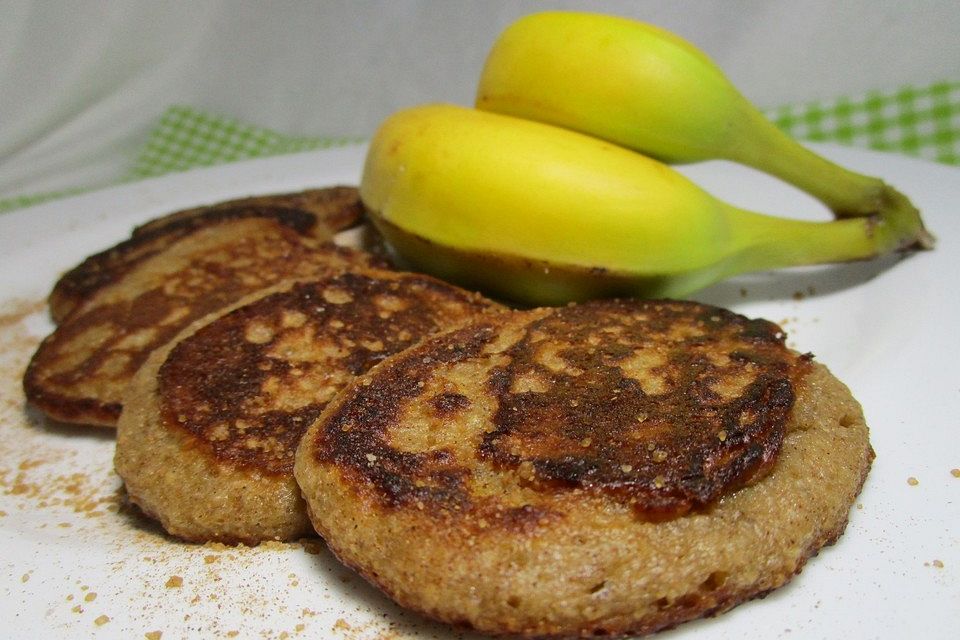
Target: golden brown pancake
{"x":206,"y":440}
{"x":80,"y":371}
{"x":317,"y":213}
{"x":611,"y":468}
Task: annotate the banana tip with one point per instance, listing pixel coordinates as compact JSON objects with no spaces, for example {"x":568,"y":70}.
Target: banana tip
{"x":924,"y":241}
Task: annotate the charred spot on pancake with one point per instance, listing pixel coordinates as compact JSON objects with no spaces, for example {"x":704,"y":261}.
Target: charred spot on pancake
{"x":668,"y":409}
{"x":662,"y":405}
{"x":449,"y":403}
{"x":249,"y":384}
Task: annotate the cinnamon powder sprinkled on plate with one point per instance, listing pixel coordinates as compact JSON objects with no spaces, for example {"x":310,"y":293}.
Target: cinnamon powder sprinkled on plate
{"x":57,"y":483}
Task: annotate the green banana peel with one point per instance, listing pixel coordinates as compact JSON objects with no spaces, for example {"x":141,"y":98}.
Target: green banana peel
{"x":645,"y":88}
{"x":538,"y":214}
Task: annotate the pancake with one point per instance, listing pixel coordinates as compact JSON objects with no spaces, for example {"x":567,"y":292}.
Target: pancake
{"x":206,"y":441}
{"x":333,"y":209}
{"x":317,"y":213}
{"x":79,"y":372}
{"x":611,"y":468}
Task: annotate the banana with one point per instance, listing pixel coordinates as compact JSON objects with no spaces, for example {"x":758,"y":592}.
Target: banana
{"x":538,"y":214}
{"x":647,"y":89}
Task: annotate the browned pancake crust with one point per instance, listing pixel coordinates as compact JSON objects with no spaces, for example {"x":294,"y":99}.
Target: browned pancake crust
{"x":334,"y":209}
{"x":668,"y":405}
{"x":234,"y":395}
{"x":318,"y":213}
{"x":612,"y":468}
{"x":249,"y":385}
{"x":80,"y":371}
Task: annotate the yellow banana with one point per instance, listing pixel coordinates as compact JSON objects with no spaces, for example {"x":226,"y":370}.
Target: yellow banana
{"x":542,"y":215}
{"x":647,"y":89}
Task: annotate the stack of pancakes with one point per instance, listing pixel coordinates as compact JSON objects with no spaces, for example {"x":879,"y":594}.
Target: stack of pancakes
{"x":608,"y":468}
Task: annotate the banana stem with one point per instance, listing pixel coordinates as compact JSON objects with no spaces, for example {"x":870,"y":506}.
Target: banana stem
{"x":769,"y":242}
{"x":848,"y":194}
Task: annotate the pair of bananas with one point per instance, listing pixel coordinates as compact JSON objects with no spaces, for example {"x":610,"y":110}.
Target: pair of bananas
{"x":539,"y":195}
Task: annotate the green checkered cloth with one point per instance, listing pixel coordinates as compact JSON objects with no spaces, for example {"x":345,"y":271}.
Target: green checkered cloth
{"x":923,"y":122}
{"x":186,"y":138}
{"x":918,"y":121}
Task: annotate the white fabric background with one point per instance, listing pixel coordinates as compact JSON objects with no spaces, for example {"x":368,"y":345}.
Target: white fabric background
{"x":81,"y":82}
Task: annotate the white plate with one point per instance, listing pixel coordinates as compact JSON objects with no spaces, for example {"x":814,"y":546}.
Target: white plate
{"x":71,"y":564}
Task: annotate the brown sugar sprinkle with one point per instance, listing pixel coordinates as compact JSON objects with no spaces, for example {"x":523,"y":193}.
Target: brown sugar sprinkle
{"x":276,"y":545}
{"x":912,"y":481}
{"x":18,"y":310}
{"x":175,"y":582}
{"x":77,"y":491}
{"x":313,"y":547}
